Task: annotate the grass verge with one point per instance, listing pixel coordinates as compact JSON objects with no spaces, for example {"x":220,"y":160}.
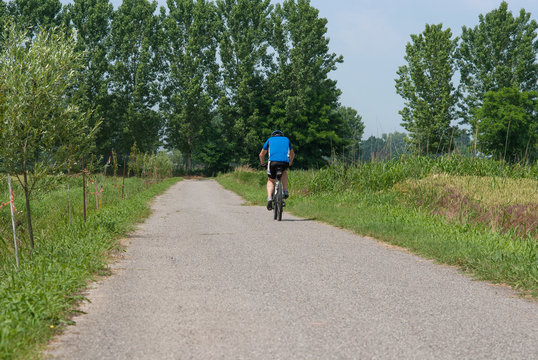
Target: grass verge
{"x":498,"y":257}
{"x":37,"y":300}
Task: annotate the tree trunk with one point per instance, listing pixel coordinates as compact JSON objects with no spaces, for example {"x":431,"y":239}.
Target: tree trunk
{"x":84,"y":188}
{"x":450,"y":143}
{"x":28,"y":212}
{"x":475,"y":140}
{"x":189,"y":156}
{"x":506,"y":141}
{"x":123,"y":183}
{"x":527,"y":151}
{"x":189,"y":163}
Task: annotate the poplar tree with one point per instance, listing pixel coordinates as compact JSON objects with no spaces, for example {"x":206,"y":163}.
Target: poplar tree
{"x":31,"y":15}
{"x":305,"y":98}
{"x":135,"y":76}
{"x":191,"y":85}
{"x":508,"y":124}
{"x":243,"y":105}
{"x":3,"y":11}
{"x":352,"y":131}
{"x":425,"y":84}
{"x":91,"y":19}
{"x":500,"y":52}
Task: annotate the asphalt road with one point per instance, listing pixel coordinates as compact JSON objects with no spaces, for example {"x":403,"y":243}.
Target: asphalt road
{"x":208,"y":278}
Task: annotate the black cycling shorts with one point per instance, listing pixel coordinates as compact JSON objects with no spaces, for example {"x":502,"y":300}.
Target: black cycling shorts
{"x":274,"y":166}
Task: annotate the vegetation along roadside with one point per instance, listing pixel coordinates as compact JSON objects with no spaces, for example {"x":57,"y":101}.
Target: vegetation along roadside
{"x":37,"y":301}
{"x":477,"y":214}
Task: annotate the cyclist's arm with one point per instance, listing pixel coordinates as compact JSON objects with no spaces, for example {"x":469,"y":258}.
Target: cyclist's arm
{"x":262,"y":156}
{"x":292,"y":156}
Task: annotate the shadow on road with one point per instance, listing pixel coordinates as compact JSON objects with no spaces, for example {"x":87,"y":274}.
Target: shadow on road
{"x":309,"y":219}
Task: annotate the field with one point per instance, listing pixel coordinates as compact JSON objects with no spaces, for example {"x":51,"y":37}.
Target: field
{"x":37,"y":300}
{"x":479,"y":215}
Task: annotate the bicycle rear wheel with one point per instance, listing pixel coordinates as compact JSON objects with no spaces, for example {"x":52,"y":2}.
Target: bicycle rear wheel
{"x":275,"y":209}
{"x":279,"y":202}
{"x":275,"y":200}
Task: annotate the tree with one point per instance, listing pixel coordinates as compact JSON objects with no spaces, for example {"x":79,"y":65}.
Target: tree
{"x":215,"y":152}
{"x":135,"y":76}
{"x":191,"y":32}
{"x":508,"y":124}
{"x":462,"y":143}
{"x":243,"y":104}
{"x":395,"y":144}
{"x":372,"y":148}
{"x":3,"y":10}
{"x":305,"y":98}
{"x":31,"y":15}
{"x":37,"y":118}
{"x":388,"y":146}
{"x":352,"y":131}
{"x":500,"y":52}
{"x":425,"y":84}
{"x":91,"y":19}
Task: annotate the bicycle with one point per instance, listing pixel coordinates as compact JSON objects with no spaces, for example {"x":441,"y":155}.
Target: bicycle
{"x":278,"y":194}
{"x":278,"y":203}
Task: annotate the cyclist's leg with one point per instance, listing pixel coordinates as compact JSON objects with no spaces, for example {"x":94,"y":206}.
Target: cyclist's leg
{"x":285,"y":183}
{"x":271,"y":174}
{"x":270,"y":188}
{"x":285,"y":180}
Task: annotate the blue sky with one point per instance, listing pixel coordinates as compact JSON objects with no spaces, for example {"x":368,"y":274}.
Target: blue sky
{"x":372,"y":34}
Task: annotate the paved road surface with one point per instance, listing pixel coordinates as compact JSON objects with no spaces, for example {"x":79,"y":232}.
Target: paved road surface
{"x":208,"y":278}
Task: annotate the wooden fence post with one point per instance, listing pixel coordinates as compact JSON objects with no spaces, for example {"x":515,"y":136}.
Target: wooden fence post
{"x":84,"y":187}
{"x":123,"y":184}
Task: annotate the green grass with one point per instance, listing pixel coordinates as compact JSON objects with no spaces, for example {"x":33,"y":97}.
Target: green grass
{"x":341,"y":197}
{"x":37,"y":300}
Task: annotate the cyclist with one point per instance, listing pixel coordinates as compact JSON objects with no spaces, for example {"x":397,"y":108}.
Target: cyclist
{"x":280,"y":156}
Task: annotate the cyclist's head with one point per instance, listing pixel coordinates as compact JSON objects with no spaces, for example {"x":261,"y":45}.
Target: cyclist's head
{"x":277,"y":133}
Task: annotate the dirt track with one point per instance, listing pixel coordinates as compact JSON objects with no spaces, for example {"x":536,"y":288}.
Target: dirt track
{"x":207,"y":278}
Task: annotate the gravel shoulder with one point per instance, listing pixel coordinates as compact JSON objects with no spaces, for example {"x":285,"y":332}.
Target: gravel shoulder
{"x":208,"y":278}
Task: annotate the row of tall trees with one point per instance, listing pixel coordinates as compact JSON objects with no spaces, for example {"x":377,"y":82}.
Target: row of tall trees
{"x":209,"y":78}
{"x":487,"y":78}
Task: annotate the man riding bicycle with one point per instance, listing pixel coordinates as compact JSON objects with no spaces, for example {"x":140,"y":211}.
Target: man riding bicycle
{"x":280,"y":157}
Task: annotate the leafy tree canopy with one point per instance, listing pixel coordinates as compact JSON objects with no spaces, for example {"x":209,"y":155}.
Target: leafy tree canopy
{"x":305,"y":98}
{"x":500,"y":52}
{"x":425,"y":84}
{"x":508,"y":126}
{"x":136,"y":41}
{"x":30,"y":15}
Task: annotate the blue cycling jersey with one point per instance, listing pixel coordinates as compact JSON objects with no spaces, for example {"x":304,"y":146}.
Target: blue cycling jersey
{"x":279,"y":148}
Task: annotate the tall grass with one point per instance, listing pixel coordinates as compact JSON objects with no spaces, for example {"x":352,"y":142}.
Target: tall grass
{"x":38,"y":298}
{"x":375,"y":176}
